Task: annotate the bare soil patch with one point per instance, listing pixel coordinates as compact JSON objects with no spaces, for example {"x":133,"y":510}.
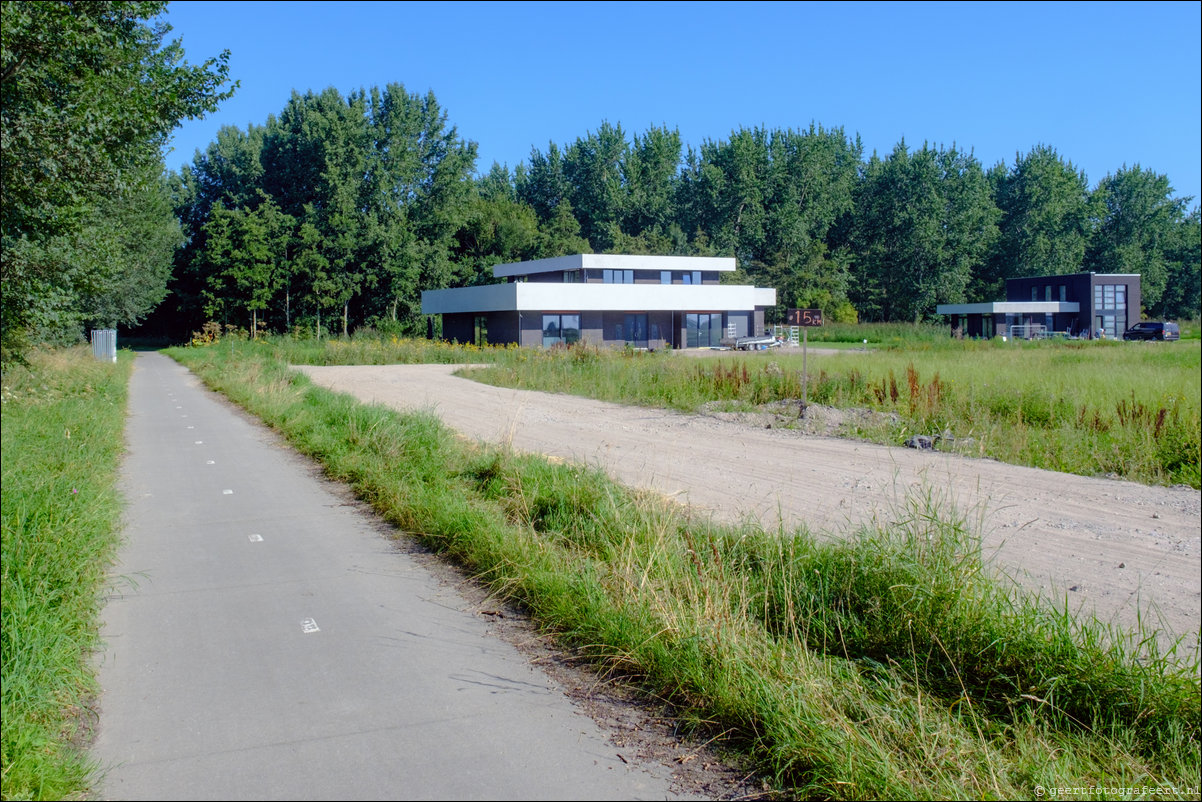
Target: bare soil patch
{"x":1122,"y":550}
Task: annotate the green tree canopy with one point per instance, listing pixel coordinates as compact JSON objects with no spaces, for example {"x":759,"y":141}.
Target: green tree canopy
{"x":1047,"y":213}
{"x":1136,"y":229}
{"x":924,"y":224}
{"x":89,"y":93}
{"x":1183,"y":252}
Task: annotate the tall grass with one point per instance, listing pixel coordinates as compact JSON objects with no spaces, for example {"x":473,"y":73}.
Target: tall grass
{"x":1126,"y":409}
{"x":881,"y":335}
{"x":367,"y":347}
{"x":885,"y":665}
{"x":63,"y":419}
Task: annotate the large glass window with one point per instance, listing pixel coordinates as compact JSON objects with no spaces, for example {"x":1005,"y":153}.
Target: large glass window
{"x":1110,"y":296}
{"x":560,"y":330}
{"x":665,"y":277}
{"x":617,"y":276}
{"x":690,"y":277}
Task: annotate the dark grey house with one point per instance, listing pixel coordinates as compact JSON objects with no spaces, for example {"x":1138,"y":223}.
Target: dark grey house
{"x":1077,"y":304}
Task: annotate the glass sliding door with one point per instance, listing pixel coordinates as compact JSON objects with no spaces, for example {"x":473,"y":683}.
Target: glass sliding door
{"x":635,"y":330}
{"x":703,"y":329}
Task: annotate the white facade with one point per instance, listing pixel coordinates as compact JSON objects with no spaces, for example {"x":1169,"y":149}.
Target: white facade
{"x":613,"y":261}
{"x":610,"y":299}
{"x":1009,"y":308}
{"x":531,"y":297}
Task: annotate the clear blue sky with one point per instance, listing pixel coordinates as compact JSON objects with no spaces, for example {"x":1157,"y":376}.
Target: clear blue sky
{"x":1106,"y":84}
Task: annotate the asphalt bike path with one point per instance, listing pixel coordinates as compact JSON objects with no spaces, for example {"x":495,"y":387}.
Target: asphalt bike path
{"x":265,"y":639}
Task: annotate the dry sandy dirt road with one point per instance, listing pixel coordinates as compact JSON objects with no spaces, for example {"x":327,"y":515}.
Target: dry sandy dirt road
{"x":1116,"y":547}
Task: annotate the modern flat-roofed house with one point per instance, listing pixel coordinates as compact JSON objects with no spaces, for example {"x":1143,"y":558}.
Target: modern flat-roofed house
{"x":1076,"y":304}
{"x":604,"y":299}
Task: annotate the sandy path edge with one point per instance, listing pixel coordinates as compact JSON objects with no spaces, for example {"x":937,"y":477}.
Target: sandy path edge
{"x":1122,"y":549}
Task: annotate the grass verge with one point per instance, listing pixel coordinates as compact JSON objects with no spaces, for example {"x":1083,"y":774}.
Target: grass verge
{"x":63,"y":421}
{"x":885,"y":665}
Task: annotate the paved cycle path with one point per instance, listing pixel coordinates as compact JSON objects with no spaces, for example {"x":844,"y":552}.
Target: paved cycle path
{"x":266,"y":640}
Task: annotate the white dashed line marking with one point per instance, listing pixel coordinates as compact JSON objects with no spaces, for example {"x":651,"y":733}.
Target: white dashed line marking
{"x":227,"y":492}
{"x":256,"y":538}
{"x":309,"y":625}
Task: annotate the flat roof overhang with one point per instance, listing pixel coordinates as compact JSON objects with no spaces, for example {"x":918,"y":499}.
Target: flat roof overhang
{"x":538,"y":296}
{"x":1010,"y":308}
{"x":613,"y":261}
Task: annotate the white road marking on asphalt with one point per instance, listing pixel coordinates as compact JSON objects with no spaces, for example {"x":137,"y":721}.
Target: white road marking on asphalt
{"x":199,"y":442}
{"x":227,"y":492}
{"x":309,"y":625}
{"x":256,"y":538}
{"x":210,"y":462}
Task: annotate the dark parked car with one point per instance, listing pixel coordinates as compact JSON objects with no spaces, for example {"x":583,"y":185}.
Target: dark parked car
{"x":1153,"y":330}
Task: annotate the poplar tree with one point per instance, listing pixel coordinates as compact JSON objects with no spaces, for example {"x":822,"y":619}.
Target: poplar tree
{"x":1046,"y":218}
{"x":1136,"y":228}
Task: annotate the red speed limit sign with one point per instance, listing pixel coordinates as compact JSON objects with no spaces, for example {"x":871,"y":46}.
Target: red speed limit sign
{"x":804,"y":317}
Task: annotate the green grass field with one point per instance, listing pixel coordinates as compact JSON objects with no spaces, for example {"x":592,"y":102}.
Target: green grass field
{"x":63,"y":420}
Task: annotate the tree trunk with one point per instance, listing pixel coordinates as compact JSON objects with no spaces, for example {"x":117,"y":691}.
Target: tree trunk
{"x":346,"y":307}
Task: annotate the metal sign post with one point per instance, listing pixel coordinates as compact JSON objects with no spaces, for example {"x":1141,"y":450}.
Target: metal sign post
{"x":805,"y":371}
{"x":805,"y":318}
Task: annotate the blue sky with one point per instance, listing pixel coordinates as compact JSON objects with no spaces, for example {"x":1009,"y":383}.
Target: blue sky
{"x":1105,"y":84}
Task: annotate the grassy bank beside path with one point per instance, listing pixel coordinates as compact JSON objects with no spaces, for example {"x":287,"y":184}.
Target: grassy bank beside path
{"x":63,"y":419}
{"x":884,"y":664}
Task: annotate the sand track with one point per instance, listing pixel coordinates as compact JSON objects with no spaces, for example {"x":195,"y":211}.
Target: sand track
{"x":1119,"y":548}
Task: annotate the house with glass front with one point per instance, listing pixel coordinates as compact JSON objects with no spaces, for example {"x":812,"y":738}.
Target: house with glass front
{"x":604,"y":299}
{"x":1084,"y":305}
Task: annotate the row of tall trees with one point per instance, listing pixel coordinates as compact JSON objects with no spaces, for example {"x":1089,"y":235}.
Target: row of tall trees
{"x":339,"y":211}
{"x":88,"y":94}
{"x":342,"y":209}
